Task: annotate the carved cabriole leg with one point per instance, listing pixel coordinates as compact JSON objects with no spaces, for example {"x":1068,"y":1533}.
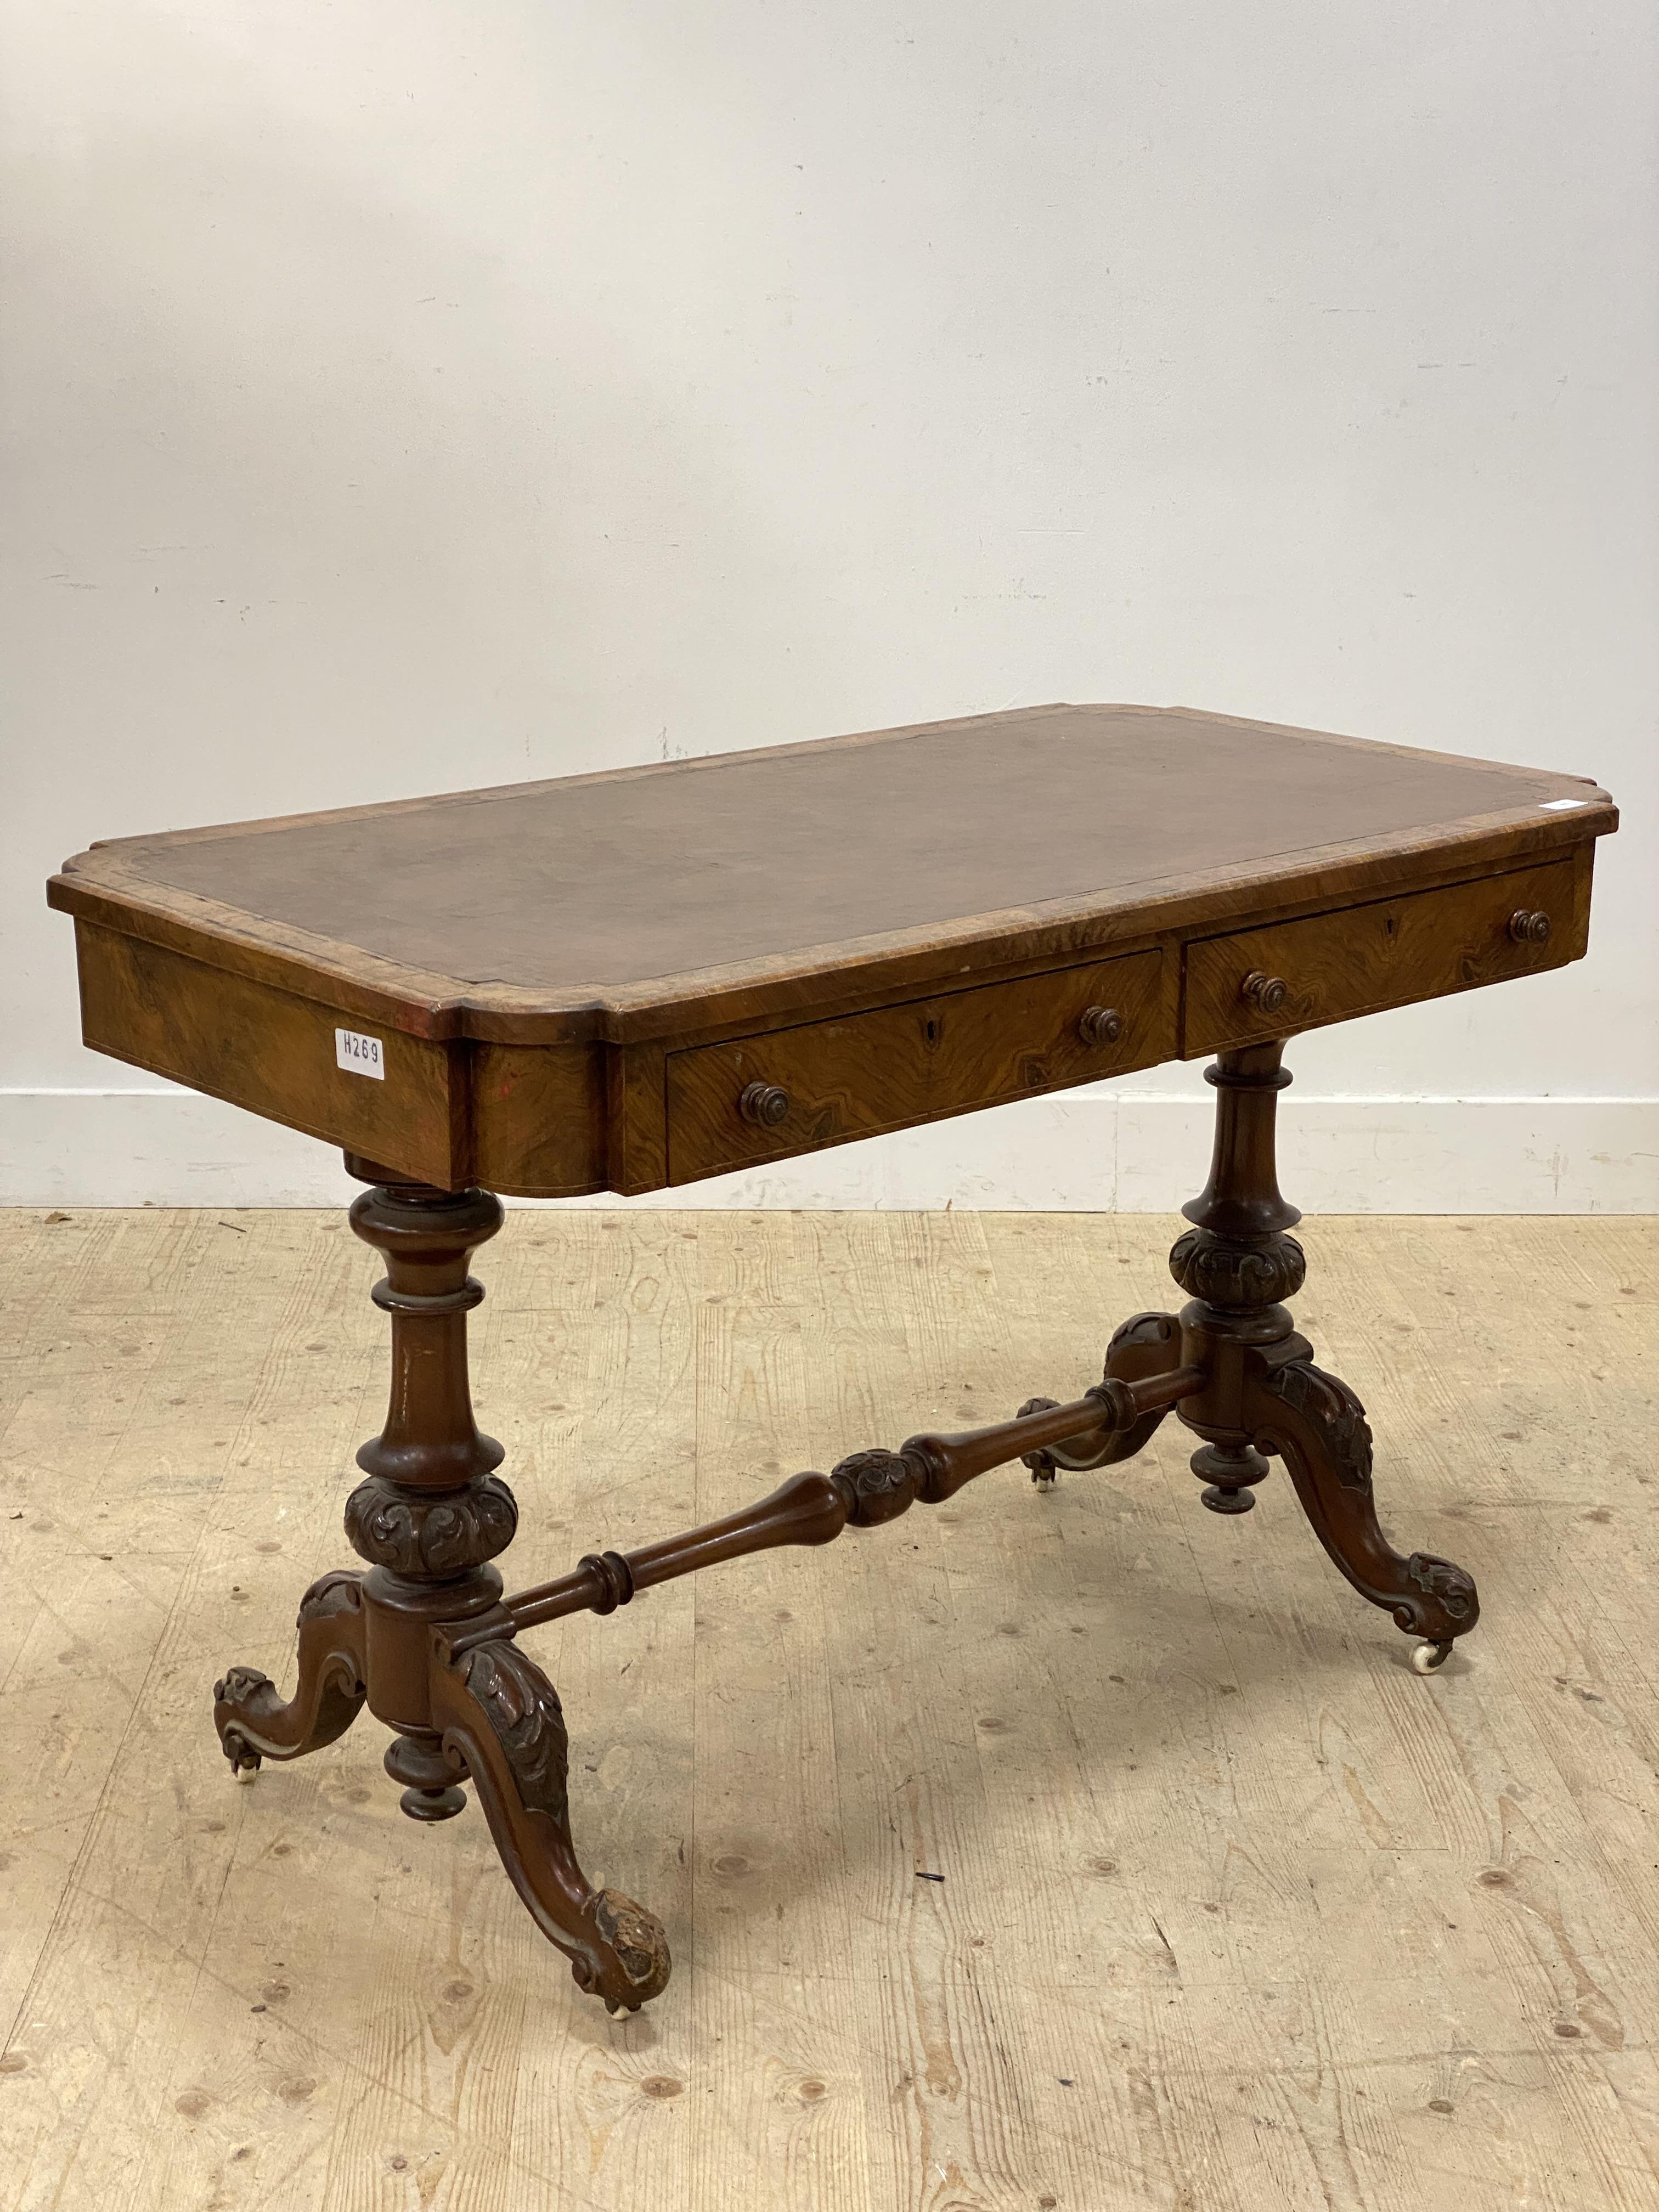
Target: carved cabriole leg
{"x":502,"y":1724}
{"x":1146,"y":1344}
{"x":1319,"y":1426}
{"x":253,"y":1722}
{"x":1262,"y":1393}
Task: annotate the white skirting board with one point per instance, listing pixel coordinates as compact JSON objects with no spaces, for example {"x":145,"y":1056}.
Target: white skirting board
{"x":1095,"y":1151}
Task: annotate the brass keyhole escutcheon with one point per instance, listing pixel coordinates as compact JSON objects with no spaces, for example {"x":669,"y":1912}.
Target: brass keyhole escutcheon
{"x":1266,"y":994}
{"x":1529,"y":928}
{"x":1098,"y":1025}
{"x":765,"y":1104}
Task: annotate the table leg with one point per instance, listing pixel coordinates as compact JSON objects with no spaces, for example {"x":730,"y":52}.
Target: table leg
{"x":1263,"y":1394}
{"x":429,"y":1517}
{"x":1148,"y":1344}
{"x":253,"y":1722}
{"x":503,"y":1725}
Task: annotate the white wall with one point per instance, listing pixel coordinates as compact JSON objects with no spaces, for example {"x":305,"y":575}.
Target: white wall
{"x":414,"y":396}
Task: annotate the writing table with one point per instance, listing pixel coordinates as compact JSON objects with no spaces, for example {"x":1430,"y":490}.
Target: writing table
{"x":636,"y":980}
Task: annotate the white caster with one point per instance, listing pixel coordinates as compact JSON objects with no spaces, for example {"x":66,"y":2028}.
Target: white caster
{"x":248,"y":1774}
{"x":1426,"y":1658}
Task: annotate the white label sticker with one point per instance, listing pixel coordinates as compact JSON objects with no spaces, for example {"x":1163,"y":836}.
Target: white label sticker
{"x":1559,"y":805}
{"x":359,"y":1055}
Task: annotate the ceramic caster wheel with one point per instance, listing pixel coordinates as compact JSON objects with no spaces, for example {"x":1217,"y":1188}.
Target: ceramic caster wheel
{"x":1427,"y":1658}
{"x":1044,"y":1482}
{"x":246,"y":1774}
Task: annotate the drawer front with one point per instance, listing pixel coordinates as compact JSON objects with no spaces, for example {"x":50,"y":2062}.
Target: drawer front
{"x":275,"y":1054}
{"x":1297,"y":975}
{"x":793,"y":1090}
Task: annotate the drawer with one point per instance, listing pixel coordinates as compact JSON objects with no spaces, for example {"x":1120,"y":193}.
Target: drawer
{"x":1295,"y":975}
{"x":791,"y":1090}
{"x":274,"y":1053}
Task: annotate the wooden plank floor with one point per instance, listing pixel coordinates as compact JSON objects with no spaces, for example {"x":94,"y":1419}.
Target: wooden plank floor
{"x":1235,"y":1912}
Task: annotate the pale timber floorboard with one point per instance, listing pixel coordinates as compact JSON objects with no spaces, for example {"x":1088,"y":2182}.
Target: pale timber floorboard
{"x":1236,"y":1911}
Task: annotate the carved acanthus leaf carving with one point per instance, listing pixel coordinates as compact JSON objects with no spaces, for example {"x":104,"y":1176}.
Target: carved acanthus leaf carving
{"x":1144,"y":1344}
{"x":1140,"y":1332}
{"x":523,"y":1708}
{"x":1240,"y":1276}
{"x":337,"y":1591}
{"x":419,"y":1535}
{"x":1327,"y":1401}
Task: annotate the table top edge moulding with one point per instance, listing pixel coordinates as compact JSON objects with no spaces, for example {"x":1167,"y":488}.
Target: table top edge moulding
{"x":647,"y":977}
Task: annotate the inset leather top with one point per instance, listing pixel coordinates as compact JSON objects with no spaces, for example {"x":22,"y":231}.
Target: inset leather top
{"x":614,"y":903}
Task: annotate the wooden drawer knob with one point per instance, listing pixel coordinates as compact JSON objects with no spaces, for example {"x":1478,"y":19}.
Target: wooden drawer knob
{"x":1100,"y":1025}
{"x":1266,"y":994}
{"x":1529,"y":928}
{"x":763,"y":1103}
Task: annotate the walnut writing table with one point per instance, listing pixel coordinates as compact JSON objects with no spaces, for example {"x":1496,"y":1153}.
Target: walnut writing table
{"x":636,"y":980}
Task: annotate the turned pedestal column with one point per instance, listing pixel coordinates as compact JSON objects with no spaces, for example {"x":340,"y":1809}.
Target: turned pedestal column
{"x":431,"y":1512}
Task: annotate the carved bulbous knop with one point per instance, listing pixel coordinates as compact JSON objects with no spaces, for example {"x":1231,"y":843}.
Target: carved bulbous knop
{"x":435,"y":1536}
{"x":1241,"y":1277}
{"x":877,"y":1485}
